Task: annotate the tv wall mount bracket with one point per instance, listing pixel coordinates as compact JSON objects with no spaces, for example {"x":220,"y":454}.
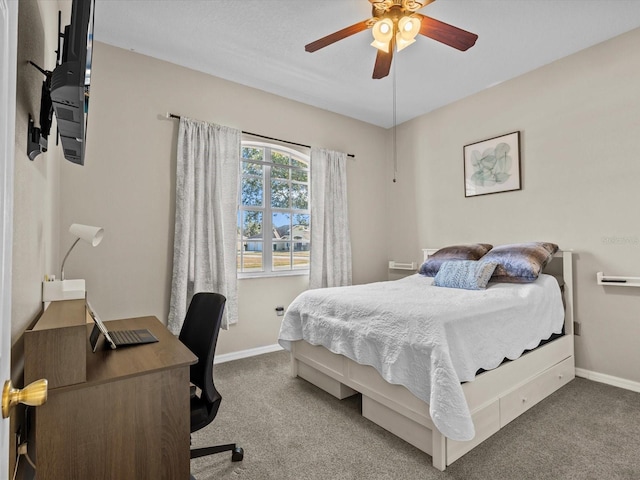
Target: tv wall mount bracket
{"x":37,"y":142}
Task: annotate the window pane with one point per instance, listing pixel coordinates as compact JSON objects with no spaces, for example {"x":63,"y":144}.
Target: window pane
{"x":249,"y":168}
{"x":300,"y":237}
{"x":280,"y":172}
{"x":281,"y":226}
{"x":252,"y":191}
{"x":301,"y":220}
{"x":280,"y":158}
{"x":299,"y":196}
{"x":279,"y":194}
{"x":300,"y":255}
{"x":281,"y":256}
{"x":298,"y":163}
{"x":252,"y":260}
{"x":300,"y":175}
{"x":253,"y":153}
{"x":252,"y":226}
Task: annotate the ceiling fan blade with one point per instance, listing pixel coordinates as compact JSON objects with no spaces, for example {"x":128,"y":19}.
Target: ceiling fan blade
{"x":383,"y":63}
{"x":335,"y":36}
{"x":448,"y":34}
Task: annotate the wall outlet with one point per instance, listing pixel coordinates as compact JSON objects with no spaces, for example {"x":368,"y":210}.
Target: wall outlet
{"x":576,"y":328}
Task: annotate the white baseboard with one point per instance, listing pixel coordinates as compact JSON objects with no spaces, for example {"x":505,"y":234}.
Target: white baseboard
{"x":608,"y":379}
{"x":252,"y":352}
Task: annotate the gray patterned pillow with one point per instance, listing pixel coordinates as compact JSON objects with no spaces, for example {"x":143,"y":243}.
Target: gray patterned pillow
{"x":520,"y":262}
{"x":474,"y":251}
{"x":467,"y":274}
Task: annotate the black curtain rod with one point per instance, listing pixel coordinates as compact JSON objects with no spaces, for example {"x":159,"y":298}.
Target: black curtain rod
{"x":172,"y":115}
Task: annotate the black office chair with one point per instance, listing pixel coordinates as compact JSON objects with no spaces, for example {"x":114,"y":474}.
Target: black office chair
{"x":200,"y":334}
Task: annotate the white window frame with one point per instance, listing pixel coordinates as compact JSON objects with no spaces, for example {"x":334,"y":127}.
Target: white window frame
{"x":266,"y":208}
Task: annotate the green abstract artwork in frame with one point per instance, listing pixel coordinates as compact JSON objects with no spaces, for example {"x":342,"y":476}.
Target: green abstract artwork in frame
{"x":492,"y":166}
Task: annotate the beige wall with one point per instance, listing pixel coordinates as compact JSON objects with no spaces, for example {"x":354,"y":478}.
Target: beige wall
{"x":127,"y":186}
{"x":36,"y":199}
{"x":579,"y":120}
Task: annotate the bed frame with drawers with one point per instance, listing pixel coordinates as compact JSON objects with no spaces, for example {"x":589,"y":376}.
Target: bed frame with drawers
{"x":495,"y":397}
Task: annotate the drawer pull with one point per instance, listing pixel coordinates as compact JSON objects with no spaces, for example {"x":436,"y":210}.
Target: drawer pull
{"x":560,"y":377}
{"x":524,"y":399}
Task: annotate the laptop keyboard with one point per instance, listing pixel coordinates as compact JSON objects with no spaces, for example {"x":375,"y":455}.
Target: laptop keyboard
{"x":125,"y":337}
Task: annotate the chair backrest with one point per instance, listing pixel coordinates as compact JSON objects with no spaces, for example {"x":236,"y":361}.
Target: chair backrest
{"x":200,"y":334}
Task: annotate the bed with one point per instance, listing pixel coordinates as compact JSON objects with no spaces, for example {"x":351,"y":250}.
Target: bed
{"x":449,"y":413}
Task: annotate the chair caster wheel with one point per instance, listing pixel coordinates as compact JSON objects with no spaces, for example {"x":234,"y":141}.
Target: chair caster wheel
{"x":237,"y":455}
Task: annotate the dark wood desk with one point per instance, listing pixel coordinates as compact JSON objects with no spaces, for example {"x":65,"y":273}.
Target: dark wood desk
{"x":128,"y":420}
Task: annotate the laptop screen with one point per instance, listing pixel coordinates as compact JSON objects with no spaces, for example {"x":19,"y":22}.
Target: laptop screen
{"x":93,"y":338}
{"x":98,"y":328}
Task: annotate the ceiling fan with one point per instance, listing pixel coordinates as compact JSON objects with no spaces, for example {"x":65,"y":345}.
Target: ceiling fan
{"x":396,"y":23}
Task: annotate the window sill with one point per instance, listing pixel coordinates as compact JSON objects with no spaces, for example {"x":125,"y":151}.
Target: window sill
{"x":249,"y":276}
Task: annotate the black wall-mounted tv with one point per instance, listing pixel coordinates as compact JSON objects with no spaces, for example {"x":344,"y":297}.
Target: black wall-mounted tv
{"x":71,"y":79}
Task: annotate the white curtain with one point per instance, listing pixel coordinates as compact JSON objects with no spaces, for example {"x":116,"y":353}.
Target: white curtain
{"x":330,"y":242}
{"x":204,"y":252}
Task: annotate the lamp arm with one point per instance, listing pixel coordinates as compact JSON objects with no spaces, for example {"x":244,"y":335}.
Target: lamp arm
{"x":65,"y":258}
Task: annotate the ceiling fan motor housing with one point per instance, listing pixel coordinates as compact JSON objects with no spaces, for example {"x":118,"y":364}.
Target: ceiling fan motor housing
{"x":380,"y":7}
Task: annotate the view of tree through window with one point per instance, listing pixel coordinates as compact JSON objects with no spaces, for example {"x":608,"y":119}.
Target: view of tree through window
{"x":273,"y":218}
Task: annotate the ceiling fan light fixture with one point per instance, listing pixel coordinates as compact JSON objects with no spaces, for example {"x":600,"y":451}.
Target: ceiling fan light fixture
{"x":401,"y":43}
{"x":382,"y":34}
{"x":408,"y":28}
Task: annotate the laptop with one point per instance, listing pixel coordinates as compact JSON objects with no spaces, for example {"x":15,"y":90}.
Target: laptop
{"x":118,"y":338}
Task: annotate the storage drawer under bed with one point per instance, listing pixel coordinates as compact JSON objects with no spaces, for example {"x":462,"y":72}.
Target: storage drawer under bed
{"x":526,"y":396}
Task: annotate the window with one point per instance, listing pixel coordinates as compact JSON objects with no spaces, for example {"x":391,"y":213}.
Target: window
{"x":273,"y":216}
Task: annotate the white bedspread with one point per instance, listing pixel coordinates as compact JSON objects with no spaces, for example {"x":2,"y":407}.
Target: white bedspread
{"x":428,"y":338}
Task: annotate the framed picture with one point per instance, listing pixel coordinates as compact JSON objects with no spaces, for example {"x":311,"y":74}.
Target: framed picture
{"x":492,"y":166}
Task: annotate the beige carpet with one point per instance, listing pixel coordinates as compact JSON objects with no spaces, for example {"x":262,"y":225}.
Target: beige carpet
{"x":291,"y":430}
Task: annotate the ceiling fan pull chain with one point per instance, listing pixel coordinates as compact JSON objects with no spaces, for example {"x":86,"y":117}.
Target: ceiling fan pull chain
{"x":395,"y":145}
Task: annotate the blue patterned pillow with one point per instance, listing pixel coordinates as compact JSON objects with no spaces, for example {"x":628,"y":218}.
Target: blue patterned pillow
{"x":453,"y":252}
{"x":520,"y":262}
{"x":467,"y":274}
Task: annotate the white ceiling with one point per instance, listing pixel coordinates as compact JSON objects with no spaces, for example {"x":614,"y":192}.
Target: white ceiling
{"x":260,"y":43}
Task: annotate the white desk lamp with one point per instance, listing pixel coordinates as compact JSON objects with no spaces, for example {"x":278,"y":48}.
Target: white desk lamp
{"x":71,"y":289}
